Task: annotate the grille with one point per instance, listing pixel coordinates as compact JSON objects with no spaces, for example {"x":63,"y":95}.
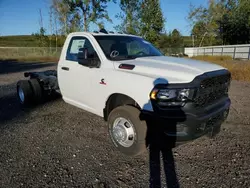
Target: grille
{"x":212,"y":89}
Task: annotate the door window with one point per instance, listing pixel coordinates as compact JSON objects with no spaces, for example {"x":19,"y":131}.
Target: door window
{"x":75,"y":44}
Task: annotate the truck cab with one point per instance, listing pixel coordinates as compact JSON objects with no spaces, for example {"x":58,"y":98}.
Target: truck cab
{"x":136,"y":89}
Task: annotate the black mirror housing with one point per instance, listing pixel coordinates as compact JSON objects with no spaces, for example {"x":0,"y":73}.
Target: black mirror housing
{"x":82,"y":56}
{"x":88,"y":60}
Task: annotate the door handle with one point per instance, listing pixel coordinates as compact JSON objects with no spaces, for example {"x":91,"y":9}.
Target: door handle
{"x":65,"y":68}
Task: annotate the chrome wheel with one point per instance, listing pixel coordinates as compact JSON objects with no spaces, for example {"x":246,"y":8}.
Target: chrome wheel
{"x":123,"y":132}
{"x":21,"y":95}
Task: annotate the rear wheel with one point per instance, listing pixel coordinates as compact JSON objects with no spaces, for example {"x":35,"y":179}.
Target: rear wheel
{"x":37,"y":91}
{"x":24,"y":92}
{"x":127,"y":131}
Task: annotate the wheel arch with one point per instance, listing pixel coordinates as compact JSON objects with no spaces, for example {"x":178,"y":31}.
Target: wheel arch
{"x":118,"y":99}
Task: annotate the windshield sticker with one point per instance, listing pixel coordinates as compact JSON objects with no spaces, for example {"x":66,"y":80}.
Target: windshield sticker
{"x":76,"y":45}
{"x":114,"y":53}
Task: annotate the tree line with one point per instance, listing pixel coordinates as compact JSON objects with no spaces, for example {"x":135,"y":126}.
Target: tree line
{"x":220,"y":22}
{"x":139,"y":17}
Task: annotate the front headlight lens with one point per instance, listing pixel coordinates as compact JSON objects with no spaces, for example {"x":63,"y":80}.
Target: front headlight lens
{"x":172,"y":97}
{"x":167,"y":94}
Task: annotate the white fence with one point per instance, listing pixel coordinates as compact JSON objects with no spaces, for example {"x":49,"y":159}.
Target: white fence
{"x":235,"y":51}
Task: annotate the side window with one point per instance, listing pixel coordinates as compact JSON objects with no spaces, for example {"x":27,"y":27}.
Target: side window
{"x":75,"y":44}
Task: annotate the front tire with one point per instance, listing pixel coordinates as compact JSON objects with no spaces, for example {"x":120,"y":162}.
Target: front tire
{"x":127,"y":131}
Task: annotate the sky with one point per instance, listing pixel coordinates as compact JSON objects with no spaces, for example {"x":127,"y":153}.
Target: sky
{"x":21,"y":17}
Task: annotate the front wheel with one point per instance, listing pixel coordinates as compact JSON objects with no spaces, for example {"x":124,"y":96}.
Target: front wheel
{"x":127,"y":131}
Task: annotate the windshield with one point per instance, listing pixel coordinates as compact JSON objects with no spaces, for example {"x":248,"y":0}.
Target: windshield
{"x":126,"y":47}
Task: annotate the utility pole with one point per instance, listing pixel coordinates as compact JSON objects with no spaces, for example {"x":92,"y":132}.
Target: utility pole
{"x":55,"y":24}
{"x":41,"y":18}
{"x":50,"y":27}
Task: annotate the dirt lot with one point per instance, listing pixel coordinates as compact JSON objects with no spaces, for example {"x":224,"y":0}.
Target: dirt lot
{"x":58,"y":145}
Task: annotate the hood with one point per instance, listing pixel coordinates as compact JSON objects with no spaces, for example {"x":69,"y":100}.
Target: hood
{"x":173,"y":69}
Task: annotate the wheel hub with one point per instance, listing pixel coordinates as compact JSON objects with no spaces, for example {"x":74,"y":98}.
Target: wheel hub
{"x":123,"y":132}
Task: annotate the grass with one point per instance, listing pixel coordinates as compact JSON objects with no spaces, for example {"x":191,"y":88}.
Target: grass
{"x":28,"y":41}
{"x":240,"y":70}
{"x":30,"y":54}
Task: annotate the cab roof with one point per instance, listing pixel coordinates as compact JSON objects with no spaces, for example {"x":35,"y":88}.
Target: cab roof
{"x":101,"y":33}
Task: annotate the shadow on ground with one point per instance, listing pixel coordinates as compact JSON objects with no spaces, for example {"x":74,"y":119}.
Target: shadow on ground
{"x":10,"y":108}
{"x":160,"y":146}
{"x":161,"y":139}
{"x":13,"y":65}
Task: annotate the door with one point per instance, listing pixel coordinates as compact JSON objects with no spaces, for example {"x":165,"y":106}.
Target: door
{"x":75,"y":79}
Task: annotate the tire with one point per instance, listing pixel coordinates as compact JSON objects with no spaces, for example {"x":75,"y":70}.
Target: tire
{"x":37,"y":91}
{"x":131,"y":115}
{"x":24,"y":92}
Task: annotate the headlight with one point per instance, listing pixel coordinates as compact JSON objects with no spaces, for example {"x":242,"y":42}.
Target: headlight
{"x":167,"y":94}
{"x":172,"y":97}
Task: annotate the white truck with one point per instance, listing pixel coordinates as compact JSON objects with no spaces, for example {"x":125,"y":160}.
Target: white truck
{"x":127,"y":81}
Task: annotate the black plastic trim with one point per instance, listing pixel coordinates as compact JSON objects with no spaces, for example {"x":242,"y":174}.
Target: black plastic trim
{"x":190,"y":119}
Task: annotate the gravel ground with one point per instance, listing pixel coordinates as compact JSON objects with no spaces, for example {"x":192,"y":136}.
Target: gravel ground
{"x":59,"y":145}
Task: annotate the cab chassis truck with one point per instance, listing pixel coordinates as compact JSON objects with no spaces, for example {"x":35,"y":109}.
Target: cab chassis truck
{"x":123,"y":78}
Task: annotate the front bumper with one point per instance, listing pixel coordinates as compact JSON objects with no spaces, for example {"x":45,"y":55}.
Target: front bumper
{"x":188,"y":124}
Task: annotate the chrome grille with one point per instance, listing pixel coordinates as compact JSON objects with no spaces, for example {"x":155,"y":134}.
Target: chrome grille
{"x":212,"y":89}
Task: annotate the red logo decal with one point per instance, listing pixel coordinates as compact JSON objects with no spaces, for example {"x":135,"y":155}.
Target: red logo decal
{"x":102,"y":82}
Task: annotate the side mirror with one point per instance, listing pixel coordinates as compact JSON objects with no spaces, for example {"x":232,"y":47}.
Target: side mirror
{"x":86,"y":59}
{"x":82,"y":56}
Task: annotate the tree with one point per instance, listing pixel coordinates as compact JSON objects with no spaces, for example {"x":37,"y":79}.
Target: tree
{"x":236,"y":24}
{"x":152,"y":21}
{"x":89,"y":11}
{"x":222,"y":22}
{"x":75,"y":22}
{"x":164,"y":43}
{"x":129,"y":16}
{"x":176,"y":39}
{"x":205,"y":21}
{"x":200,"y":34}
{"x":40,"y":35}
{"x":62,"y":12}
